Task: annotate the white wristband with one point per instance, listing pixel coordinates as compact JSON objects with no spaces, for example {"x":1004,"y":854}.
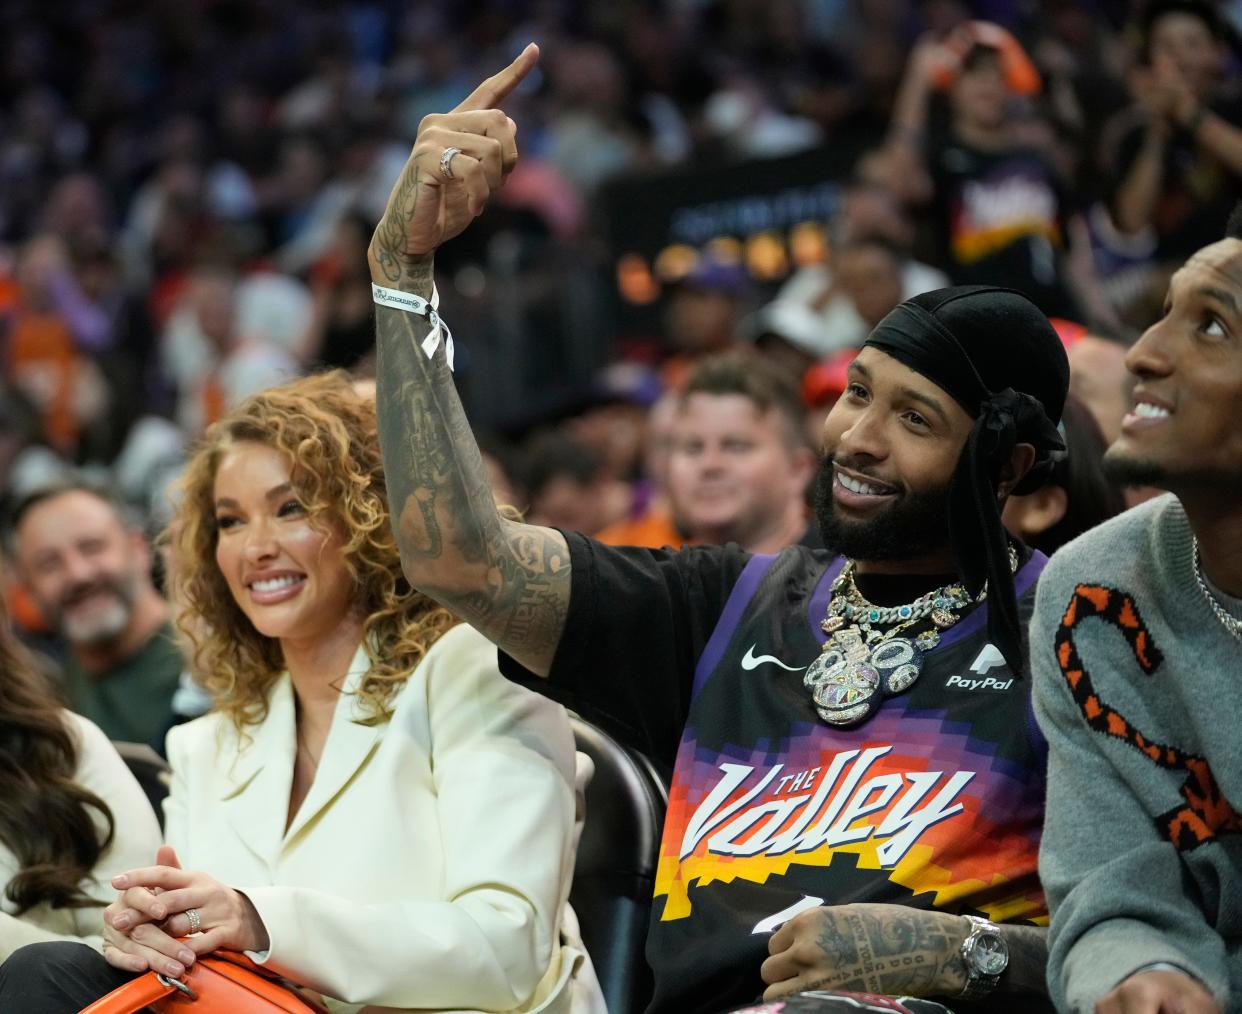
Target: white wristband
{"x":411,"y":303}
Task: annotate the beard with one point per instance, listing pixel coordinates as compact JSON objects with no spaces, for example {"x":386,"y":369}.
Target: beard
{"x":1136,"y":471}
{"x":911,"y":525}
{"x":105,"y":623}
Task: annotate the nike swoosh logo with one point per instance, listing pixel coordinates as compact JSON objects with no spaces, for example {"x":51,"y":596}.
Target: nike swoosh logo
{"x":752,"y":661}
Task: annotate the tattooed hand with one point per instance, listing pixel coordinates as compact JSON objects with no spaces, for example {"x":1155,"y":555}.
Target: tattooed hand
{"x":886,"y":949}
{"x":428,"y":207}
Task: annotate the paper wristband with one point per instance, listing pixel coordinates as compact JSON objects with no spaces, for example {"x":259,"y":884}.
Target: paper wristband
{"x":411,"y":303}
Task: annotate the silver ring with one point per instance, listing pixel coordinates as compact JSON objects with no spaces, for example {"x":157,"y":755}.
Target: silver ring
{"x":192,"y":915}
{"x":446,"y":162}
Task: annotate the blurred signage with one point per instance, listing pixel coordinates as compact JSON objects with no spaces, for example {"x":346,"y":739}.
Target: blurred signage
{"x":767,"y":215}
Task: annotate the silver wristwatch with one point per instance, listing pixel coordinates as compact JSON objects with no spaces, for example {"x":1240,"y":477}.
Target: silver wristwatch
{"x":985,"y":956}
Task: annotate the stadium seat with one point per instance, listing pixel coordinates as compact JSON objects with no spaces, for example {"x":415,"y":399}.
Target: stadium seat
{"x":150,"y":769}
{"x":615,"y":872}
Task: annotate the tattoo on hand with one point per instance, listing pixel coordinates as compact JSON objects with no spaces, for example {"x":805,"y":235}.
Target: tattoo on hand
{"x":390,"y":243}
{"x":902,"y":953}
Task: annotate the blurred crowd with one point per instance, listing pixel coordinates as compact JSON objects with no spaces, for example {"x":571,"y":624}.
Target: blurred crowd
{"x":187,"y":192}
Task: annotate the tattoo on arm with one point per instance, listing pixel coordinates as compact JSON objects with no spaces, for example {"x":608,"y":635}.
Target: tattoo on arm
{"x":907,"y":952}
{"x":509,"y":580}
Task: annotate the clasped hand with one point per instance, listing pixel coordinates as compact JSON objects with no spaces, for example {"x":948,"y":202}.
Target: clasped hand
{"x":143,"y":926}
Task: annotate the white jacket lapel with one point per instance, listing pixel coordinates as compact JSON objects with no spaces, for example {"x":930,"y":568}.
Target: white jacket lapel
{"x":258,"y":783}
{"x":347,"y":748}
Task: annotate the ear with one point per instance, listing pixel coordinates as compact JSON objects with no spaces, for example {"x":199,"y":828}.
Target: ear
{"x":142,"y":548}
{"x":1035,"y":513}
{"x":1019,"y":463}
{"x":804,"y":464}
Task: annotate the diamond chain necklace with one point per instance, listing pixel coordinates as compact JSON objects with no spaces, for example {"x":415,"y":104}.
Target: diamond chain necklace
{"x":1230,"y":623}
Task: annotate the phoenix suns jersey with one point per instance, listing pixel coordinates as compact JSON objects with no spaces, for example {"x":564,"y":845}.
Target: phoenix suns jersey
{"x":935,"y":801}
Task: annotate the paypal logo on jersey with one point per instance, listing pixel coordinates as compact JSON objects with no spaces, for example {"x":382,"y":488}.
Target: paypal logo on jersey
{"x":988,"y":659}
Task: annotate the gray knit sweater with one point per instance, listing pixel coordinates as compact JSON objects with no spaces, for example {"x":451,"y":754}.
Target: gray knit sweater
{"x":1138,"y":688}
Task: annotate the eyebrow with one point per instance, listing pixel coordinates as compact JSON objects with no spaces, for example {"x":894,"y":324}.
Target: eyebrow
{"x":271,"y":494}
{"x":909,"y":393}
{"x":1225,"y":299}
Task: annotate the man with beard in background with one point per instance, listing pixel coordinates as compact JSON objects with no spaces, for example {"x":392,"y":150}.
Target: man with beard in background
{"x":857,"y":788}
{"x":89,"y":572}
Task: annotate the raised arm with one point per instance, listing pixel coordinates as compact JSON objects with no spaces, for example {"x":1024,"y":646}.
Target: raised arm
{"x":509,"y":580}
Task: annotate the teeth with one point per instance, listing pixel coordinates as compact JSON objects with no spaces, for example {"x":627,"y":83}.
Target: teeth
{"x":854,"y":486}
{"x":275,"y":583}
{"x":1150,"y":411}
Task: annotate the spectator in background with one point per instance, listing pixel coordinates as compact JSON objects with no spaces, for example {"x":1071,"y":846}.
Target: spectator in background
{"x":567,"y":485}
{"x":1099,"y":381}
{"x":703,"y":315}
{"x":1178,"y":162}
{"x":216,"y":347}
{"x":652,"y":524}
{"x":1079,"y":495}
{"x":821,"y":388}
{"x":826,"y":308}
{"x":1002,"y":213}
{"x":46,"y":329}
{"x":89,"y":573}
{"x":739,"y":461}
{"x":72,"y":814}
{"x":342,"y":327}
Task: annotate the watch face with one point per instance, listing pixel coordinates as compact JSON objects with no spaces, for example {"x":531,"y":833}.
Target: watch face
{"x":990,"y":954}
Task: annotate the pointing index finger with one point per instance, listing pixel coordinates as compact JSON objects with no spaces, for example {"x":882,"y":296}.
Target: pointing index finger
{"x":496,"y":88}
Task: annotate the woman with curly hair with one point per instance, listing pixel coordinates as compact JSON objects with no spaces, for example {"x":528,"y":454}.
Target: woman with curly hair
{"x":71,"y":814}
{"x":370,"y":809}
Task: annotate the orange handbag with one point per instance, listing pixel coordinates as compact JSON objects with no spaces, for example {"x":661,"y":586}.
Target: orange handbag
{"x":219,"y":983}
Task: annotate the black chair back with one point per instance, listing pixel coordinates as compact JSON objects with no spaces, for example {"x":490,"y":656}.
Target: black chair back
{"x":614,"y":876}
{"x":151,"y":770}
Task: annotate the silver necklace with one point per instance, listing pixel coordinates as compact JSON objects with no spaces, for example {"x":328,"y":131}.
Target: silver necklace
{"x":860,"y":665}
{"x":1230,"y":623}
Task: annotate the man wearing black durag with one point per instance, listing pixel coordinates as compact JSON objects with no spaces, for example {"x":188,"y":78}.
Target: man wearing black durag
{"x":857,"y":783}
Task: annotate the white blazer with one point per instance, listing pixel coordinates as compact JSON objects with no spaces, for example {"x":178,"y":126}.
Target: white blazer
{"x":428,"y":866}
{"x":135,"y":838}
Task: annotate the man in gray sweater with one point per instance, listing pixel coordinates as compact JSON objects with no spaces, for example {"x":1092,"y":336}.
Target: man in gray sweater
{"x":1137,"y":658}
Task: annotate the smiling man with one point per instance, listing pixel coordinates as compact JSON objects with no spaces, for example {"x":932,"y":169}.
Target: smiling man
{"x":89,"y":572}
{"x":1137,"y":654}
{"x":739,"y":462}
{"x":857,"y":789}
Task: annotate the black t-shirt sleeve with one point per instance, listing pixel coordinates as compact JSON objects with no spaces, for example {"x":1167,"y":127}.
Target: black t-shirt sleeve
{"x":638,"y":620}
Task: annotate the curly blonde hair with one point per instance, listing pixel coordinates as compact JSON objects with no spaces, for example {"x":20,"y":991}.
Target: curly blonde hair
{"x":328,"y":430}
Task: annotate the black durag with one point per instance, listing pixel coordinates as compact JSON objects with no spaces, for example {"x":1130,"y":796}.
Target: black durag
{"x":993,"y":351}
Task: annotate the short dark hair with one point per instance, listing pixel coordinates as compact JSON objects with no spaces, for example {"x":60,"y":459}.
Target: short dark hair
{"x":752,"y":377}
{"x":551,"y":454}
{"x":24,"y":504}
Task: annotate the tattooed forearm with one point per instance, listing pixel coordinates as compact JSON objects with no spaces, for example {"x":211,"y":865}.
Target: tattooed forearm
{"x":895,"y":951}
{"x":509,"y":580}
